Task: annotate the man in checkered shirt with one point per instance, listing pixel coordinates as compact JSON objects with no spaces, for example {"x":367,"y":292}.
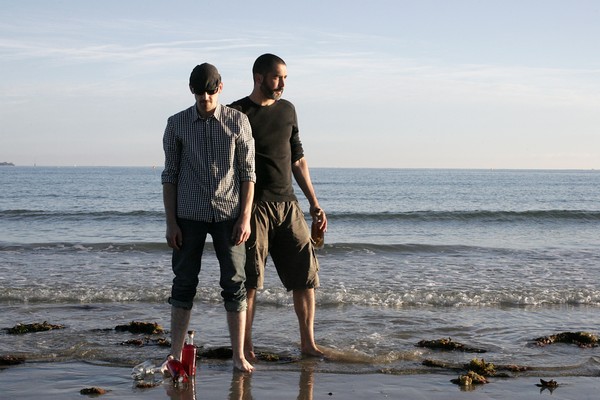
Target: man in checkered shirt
{"x":208,"y":186}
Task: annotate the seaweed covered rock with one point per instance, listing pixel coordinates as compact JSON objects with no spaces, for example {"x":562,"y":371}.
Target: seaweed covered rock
{"x":219,"y":353}
{"x":581,"y":339}
{"x":449,"y":345}
{"x":481,"y":367}
{"x":222,"y":353}
{"x":513,"y":367}
{"x":147,"y":385}
{"x":274,"y":357}
{"x":441,"y":364}
{"x":470,"y":378}
{"x":20,"y":329}
{"x":147,"y":341}
{"x":93,"y":390}
{"x":8,"y":360}
{"x":551,"y":384}
{"x":149,"y":328}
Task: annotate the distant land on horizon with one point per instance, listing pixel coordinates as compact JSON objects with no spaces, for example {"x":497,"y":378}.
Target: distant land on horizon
{"x":6,"y":164}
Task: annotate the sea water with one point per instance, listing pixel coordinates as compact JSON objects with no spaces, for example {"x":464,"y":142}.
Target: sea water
{"x":490,"y":258}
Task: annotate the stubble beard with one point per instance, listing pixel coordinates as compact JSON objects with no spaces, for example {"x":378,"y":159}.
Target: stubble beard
{"x":270,"y":93}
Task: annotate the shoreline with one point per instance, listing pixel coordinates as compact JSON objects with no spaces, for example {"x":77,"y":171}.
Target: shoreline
{"x":64,"y":380}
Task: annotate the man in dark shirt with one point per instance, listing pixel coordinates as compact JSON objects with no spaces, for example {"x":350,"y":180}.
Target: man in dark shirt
{"x":278,"y":224}
{"x":208,"y":184}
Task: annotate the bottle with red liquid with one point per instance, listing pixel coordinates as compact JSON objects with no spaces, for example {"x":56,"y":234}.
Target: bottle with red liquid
{"x":188,"y":354}
{"x":176,"y":370}
{"x":318,"y":235}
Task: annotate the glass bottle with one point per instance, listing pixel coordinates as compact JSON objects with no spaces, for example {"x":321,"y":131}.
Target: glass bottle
{"x":188,"y":354}
{"x":176,"y":370}
{"x":317,"y":234}
{"x":145,"y":370}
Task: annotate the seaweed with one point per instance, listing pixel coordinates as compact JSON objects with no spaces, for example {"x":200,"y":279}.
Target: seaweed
{"x":547,"y":385}
{"x":93,"y":390}
{"x":147,"y":341}
{"x":20,"y":329}
{"x":8,"y":360}
{"x":226,"y":353}
{"x":147,"y":385}
{"x":481,"y":367}
{"x":216,"y":353}
{"x":581,"y":339}
{"x":470,"y":378}
{"x":449,"y":345}
{"x":149,"y":328}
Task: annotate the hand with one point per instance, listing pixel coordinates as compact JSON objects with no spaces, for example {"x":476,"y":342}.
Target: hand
{"x":174,"y":236}
{"x":241,"y":231}
{"x":321,"y":218}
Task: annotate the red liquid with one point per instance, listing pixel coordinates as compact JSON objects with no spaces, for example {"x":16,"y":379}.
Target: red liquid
{"x":188,"y":359}
{"x":177,"y":370}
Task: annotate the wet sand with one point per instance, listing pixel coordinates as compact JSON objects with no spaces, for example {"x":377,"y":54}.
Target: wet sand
{"x":64,"y":380}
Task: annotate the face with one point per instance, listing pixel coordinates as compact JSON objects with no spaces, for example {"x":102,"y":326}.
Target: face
{"x":206,"y":102}
{"x":272,"y":84}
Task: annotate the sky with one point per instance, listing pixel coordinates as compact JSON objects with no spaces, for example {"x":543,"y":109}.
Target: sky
{"x":380,"y":84}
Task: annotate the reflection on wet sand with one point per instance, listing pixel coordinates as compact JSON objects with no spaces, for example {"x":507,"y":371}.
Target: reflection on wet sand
{"x":183,"y":391}
{"x":241,"y":382}
{"x":241,"y":385}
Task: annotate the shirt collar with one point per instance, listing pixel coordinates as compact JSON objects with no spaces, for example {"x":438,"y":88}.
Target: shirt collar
{"x":217,"y":113}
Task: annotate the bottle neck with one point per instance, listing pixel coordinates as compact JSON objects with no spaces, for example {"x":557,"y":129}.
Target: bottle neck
{"x":189,"y":339}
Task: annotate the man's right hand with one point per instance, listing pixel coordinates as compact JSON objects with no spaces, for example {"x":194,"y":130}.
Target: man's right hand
{"x":174,"y":236}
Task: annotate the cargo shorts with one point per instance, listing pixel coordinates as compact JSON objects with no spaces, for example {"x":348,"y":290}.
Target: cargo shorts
{"x":280,"y":229}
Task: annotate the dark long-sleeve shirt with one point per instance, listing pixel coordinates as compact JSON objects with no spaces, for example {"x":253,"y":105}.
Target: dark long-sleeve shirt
{"x":277,"y":144}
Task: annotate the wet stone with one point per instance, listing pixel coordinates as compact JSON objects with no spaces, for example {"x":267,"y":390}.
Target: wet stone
{"x":20,"y":329}
{"x":449,"y":345}
{"x":149,"y":328}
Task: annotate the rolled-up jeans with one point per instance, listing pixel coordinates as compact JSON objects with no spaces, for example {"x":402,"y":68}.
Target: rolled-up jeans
{"x":186,"y":263}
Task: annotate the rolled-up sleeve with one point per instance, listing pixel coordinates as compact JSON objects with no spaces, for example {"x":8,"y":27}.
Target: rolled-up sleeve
{"x":172,"y":149}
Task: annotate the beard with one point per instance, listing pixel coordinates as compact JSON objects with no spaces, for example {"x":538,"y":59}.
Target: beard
{"x":271,"y":93}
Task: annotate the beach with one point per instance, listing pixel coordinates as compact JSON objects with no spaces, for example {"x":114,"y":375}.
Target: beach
{"x":65,"y":380}
{"x":490,"y":259}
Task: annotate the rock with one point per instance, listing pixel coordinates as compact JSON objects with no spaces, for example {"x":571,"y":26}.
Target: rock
{"x":551,"y":384}
{"x":92,"y":390}
{"x":20,"y":329}
{"x":470,"y":378}
{"x":581,"y":339}
{"x":147,"y":341}
{"x":149,"y":328}
{"x":481,"y":367}
{"x":448,"y":344}
{"x":222,"y":353}
{"x":146,"y":385}
{"x":216,"y":353}
{"x":547,"y":385}
{"x":8,"y":360}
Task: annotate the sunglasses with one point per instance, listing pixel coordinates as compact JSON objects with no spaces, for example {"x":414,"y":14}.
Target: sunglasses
{"x":209,"y":92}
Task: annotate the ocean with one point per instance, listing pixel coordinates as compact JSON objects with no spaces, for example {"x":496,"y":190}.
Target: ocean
{"x":492,"y":259}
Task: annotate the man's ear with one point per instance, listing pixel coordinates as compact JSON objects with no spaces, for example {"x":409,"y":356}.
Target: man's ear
{"x":191,"y":89}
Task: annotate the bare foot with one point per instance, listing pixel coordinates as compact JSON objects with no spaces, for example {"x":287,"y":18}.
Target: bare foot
{"x":312,"y":351}
{"x":250,"y":356}
{"x":243,"y":365}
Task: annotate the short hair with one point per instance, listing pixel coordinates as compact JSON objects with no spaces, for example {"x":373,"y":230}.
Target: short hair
{"x":266,"y":63}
